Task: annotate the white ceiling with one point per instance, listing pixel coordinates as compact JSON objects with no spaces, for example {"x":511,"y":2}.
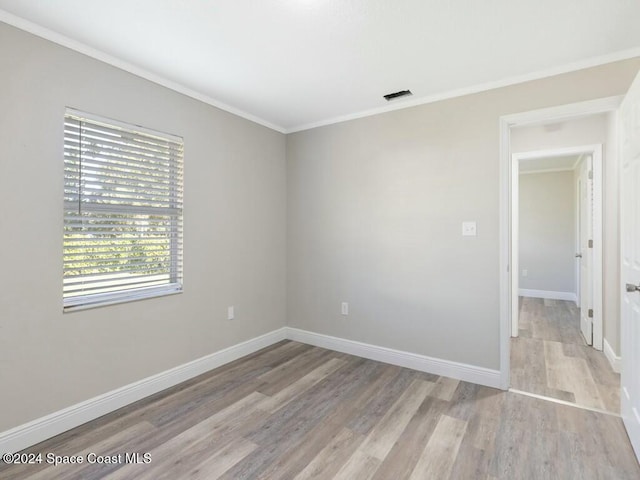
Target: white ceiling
{"x":292,"y":64}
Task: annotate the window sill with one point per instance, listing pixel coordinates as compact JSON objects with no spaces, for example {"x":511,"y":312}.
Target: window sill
{"x":96,"y":301}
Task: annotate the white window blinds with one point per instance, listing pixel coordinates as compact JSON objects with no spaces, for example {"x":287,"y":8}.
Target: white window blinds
{"x":122,"y":212}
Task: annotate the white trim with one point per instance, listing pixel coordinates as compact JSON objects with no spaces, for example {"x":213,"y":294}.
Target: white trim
{"x":614,"y":360}
{"x":547,"y":170}
{"x":596,"y":153}
{"x":549,"y":294}
{"x":68,"y":42}
{"x":576,"y":228}
{"x":598,"y":246}
{"x":483,"y":87}
{"x":504,"y":259}
{"x":124,"y":297}
{"x":43,"y":428}
{"x":578,"y":160}
{"x":77,"y":46}
{"x":515,"y":245}
{"x":557,"y":152}
{"x":437,"y":366}
{"x":561,"y":112}
{"x":505,"y":122}
{"x":53,"y":424}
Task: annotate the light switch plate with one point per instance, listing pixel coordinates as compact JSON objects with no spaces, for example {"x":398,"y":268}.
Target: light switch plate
{"x":469,"y":229}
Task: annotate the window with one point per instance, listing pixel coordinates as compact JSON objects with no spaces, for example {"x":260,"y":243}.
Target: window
{"x":122,"y":212}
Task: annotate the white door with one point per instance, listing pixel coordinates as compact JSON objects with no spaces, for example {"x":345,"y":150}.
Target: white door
{"x":585,"y":253}
{"x":629,"y":116}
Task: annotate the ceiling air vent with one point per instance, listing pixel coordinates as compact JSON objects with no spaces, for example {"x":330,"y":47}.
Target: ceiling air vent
{"x":401,"y":93}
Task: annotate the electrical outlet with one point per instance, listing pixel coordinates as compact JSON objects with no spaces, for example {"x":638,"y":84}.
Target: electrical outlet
{"x":345,"y":308}
{"x":231,"y":313}
{"x":525,"y":272}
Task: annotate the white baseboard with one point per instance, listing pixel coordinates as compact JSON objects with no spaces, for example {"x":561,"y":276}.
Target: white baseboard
{"x":46,"y":427}
{"x":447,"y":368}
{"x":614,"y":359}
{"x":58,"y":422}
{"x":549,"y":294}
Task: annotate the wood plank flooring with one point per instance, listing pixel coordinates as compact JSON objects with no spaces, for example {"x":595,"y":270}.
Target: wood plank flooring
{"x":296,"y":412}
{"x":551,"y":358}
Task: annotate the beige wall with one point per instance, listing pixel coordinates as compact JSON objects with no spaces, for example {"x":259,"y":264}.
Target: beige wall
{"x":374,"y":218}
{"x":588,"y":131}
{"x":234,"y":230}
{"x":547,"y":231}
{"x":570,"y":133}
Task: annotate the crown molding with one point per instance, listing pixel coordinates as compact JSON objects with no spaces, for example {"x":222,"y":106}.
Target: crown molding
{"x":506,"y":82}
{"x":80,"y":47}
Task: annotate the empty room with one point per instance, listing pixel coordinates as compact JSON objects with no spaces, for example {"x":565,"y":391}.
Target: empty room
{"x":320,"y":239}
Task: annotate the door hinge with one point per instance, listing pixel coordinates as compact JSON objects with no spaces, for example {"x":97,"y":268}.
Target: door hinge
{"x":590,"y":174}
{"x":590,"y":243}
{"x":590,"y":314}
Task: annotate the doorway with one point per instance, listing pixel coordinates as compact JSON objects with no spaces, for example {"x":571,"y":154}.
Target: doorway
{"x":558,"y":170}
{"x":511,"y":303}
{"x":556,"y":250}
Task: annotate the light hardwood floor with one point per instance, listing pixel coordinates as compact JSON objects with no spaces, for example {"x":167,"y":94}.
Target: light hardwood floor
{"x":293,"y":411}
{"x":551,"y":358}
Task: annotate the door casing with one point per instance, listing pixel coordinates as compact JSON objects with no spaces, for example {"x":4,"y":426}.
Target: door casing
{"x":585,"y":232}
{"x":506,"y":122}
{"x":595,"y":151}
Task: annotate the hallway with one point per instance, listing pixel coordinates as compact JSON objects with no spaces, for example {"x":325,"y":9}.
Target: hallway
{"x":550,"y":357}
